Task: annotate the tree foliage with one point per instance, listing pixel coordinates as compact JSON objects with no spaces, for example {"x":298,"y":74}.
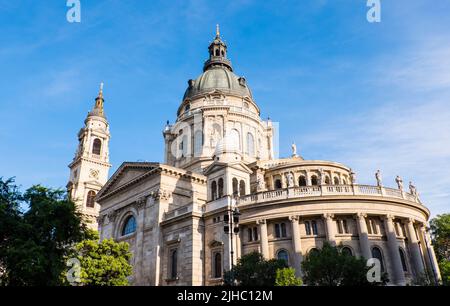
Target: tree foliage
{"x":253,"y":270}
{"x":286,"y":277}
{"x":330,"y":267}
{"x":104,"y":263}
{"x":440,"y":233}
{"x":34,"y":244}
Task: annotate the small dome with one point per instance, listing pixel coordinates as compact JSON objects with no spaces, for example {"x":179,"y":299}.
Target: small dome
{"x":220,"y":78}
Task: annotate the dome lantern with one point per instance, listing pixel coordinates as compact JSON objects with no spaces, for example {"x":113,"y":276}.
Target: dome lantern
{"x":217,"y":53}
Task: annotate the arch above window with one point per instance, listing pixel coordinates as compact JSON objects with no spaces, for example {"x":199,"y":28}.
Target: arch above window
{"x":129,"y":226}
{"x":347,"y":251}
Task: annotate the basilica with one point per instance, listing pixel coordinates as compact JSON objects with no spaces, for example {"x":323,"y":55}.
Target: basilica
{"x":221,"y":193}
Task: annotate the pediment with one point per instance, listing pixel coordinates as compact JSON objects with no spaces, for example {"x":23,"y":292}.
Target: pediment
{"x":217,"y":166}
{"x":126,"y":173}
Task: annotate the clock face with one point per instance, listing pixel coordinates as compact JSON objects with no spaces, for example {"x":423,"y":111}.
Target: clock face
{"x":93,"y":173}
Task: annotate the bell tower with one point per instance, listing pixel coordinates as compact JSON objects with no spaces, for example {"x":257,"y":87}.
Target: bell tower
{"x":90,"y":166}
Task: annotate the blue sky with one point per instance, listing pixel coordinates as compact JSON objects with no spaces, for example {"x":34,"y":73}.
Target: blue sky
{"x":372,"y":96}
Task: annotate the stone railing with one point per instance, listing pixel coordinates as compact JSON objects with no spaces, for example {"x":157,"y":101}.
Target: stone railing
{"x":326,"y":190}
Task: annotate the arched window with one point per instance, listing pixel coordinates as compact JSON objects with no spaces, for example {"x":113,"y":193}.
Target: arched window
{"x":347,"y":251}
{"x":250,"y":145}
{"x":220,"y":192}
{"x":376,"y":253}
{"x":307,"y":228}
{"x":97,"y":146}
{"x":277,"y":184}
{"x":223,"y":53}
{"x":327,"y":180}
{"x":336,"y":180}
{"x":283,"y":255}
{"x":174,"y":264}
{"x":213,"y":190}
{"x":314,"y":180}
{"x":217,"y":265}
{"x":241,"y":188}
{"x":235,"y":186}
{"x":90,"y":200}
{"x":198,"y":143}
{"x":403,"y":259}
{"x":217,"y":52}
{"x":129,"y":226}
{"x":235,"y":139}
{"x":187,"y":108}
{"x":344,"y":182}
{"x":302,"y":181}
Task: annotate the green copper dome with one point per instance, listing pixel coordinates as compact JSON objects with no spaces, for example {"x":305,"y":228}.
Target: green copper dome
{"x":219,"y":78}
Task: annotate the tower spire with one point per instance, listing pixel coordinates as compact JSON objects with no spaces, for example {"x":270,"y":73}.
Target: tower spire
{"x":98,"y":107}
{"x":217,"y":31}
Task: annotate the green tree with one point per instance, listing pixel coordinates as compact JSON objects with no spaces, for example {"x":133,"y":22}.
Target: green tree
{"x":440,"y":233}
{"x":331,"y":267}
{"x":286,"y":277}
{"x":104,"y":263}
{"x":35,"y":243}
{"x":253,"y":270}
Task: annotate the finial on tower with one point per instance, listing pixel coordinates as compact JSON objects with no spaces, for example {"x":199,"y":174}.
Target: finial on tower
{"x":217,"y":30}
{"x":100,"y":93}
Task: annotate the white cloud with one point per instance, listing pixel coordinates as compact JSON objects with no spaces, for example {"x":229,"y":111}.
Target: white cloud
{"x":408,"y":134}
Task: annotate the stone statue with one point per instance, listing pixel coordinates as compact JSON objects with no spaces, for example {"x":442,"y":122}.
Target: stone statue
{"x":321,"y":176}
{"x":379,"y":178}
{"x":352,"y":177}
{"x":413,"y":189}
{"x":290,"y":180}
{"x":261,"y":184}
{"x":399,"y":182}
{"x":294,"y":149}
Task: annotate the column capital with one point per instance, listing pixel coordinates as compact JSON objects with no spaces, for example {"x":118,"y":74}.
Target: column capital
{"x":410,"y":220}
{"x":328,"y":216}
{"x":294,"y":218}
{"x":388,"y":217}
{"x":261,"y":221}
{"x":360,"y":215}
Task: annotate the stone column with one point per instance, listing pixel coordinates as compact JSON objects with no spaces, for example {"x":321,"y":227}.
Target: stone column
{"x":263,"y":238}
{"x":330,"y":228}
{"x":139,"y":251}
{"x":414,"y":248}
{"x":363,"y":235}
{"x":428,"y":247}
{"x":297,"y":245}
{"x":396,"y":262}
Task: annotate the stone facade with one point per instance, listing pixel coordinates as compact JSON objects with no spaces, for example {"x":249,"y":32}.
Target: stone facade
{"x":219,"y":157}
